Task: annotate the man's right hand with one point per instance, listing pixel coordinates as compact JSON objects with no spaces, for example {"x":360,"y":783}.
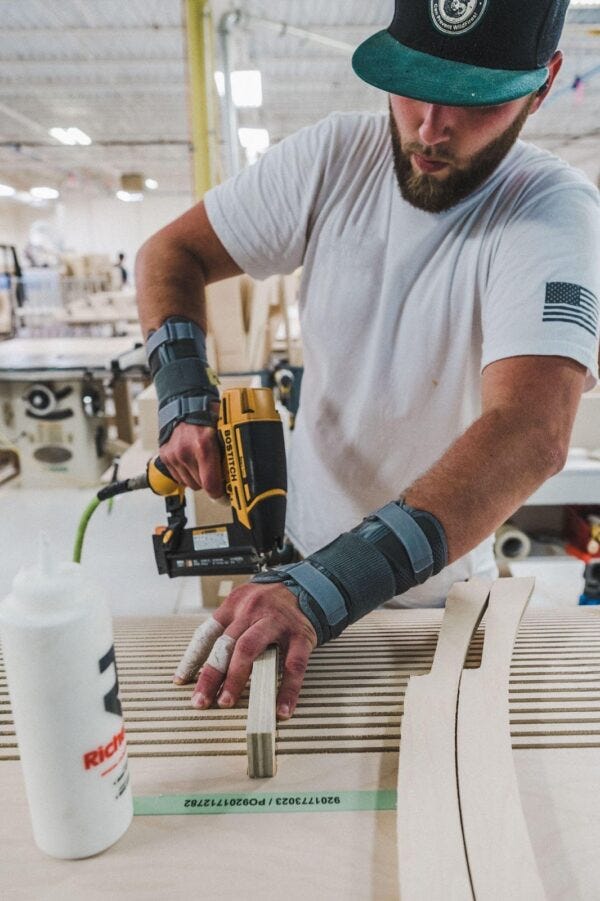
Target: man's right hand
{"x":193,"y":457}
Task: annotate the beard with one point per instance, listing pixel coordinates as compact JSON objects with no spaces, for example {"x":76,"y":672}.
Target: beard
{"x":434,"y":196}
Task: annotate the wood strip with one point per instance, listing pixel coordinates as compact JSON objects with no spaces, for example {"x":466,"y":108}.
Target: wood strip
{"x":496,"y":838}
{"x":432,"y":863}
{"x":261,"y":723}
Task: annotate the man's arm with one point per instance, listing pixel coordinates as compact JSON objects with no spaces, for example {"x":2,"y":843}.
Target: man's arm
{"x":520,"y":440}
{"x":172,"y":269}
{"x":174,"y":265}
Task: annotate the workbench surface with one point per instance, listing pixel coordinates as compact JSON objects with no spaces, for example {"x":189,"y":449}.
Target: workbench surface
{"x":344,"y":737}
{"x":24,"y":355}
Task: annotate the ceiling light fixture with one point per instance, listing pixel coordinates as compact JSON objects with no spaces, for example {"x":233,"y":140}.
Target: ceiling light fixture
{"x":130,"y":196}
{"x":254,"y":141}
{"x":62,"y":135}
{"x":151,"y":184}
{"x":70,"y":136}
{"x":80,"y":136}
{"x":44,"y":193}
{"x":7,"y":191}
{"x":246,"y":88}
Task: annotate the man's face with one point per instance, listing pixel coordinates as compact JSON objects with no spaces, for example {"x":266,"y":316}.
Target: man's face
{"x":443,"y":153}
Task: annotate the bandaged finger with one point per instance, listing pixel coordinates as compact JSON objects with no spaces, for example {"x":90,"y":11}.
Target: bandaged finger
{"x":198,"y":650}
{"x":221,"y":654}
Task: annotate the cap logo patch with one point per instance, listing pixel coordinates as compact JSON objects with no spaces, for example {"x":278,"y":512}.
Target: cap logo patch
{"x":456,"y":16}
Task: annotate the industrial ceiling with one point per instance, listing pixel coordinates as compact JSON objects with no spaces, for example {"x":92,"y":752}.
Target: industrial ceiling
{"x":118,"y":72}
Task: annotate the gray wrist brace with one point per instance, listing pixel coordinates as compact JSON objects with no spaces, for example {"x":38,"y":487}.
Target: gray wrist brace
{"x":392,"y":550}
{"x":185,"y":384}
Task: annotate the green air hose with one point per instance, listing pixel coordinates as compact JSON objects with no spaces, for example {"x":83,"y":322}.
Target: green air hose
{"x":106,"y":493}
{"x":83,"y":522}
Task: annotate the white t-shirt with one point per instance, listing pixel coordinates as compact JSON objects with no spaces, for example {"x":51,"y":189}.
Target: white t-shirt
{"x":402,"y":309}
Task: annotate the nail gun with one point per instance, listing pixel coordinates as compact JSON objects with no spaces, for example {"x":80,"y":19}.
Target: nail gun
{"x":251,"y":436}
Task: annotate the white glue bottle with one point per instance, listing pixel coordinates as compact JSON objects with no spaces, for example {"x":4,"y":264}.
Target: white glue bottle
{"x":59,"y":655}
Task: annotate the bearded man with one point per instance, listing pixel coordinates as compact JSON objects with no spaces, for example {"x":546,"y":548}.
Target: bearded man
{"x":449,"y":319}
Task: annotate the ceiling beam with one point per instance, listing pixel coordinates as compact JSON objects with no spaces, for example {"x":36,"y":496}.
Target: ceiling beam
{"x":103,"y":30}
{"x":69,"y":149}
{"x":71,"y":91}
{"x":79,"y":62}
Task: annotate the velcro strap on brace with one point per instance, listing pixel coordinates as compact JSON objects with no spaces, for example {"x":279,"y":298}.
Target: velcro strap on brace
{"x":400,"y":522}
{"x":182,"y":407}
{"x":171,"y":331}
{"x":329,"y":598}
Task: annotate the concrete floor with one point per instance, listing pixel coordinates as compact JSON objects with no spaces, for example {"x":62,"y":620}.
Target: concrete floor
{"x":117,"y":551}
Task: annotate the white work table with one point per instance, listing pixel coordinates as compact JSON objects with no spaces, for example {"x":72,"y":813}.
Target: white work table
{"x":344,"y":737}
{"x":28,"y":358}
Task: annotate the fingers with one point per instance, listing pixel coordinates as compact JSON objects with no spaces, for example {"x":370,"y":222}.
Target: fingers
{"x":221,"y":654}
{"x":193,"y":458}
{"x":294,"y":669}
{"x":227,"y":687}
{"x":253,"y":642}
{"x":251,"y":618}
{"x":210,"y":470}
{"x":197,"y":651}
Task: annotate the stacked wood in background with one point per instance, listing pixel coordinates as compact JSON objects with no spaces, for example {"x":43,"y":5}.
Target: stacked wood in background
{"x":249,"y":320}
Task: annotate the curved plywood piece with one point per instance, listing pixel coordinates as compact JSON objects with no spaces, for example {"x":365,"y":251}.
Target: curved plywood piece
{"x":431,"y":856}
{"x":500,"y":856}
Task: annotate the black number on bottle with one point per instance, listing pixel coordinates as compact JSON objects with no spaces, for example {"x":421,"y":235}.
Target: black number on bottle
{"x":112,"y":703}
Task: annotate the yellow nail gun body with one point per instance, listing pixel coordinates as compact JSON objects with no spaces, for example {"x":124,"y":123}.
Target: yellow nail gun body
{"x":251,"y":435}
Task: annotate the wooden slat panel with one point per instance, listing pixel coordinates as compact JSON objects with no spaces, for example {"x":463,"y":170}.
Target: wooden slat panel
{"x":359,"y":679}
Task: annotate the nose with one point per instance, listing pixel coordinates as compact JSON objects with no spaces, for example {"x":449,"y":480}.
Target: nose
{"x":435,"y":127}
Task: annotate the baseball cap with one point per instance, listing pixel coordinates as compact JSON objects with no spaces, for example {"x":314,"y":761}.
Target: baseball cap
{"x":463,"y":52}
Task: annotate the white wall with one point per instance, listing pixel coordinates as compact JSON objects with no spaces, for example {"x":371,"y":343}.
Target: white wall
{"x":93,"y":224}
{"x":15,"y":221}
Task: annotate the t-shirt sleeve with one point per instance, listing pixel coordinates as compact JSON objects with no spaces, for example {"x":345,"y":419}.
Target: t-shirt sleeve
{"x":262,"y":216}
{"x":542,"y":293}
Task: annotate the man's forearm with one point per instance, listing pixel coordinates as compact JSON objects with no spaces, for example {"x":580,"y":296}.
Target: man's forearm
{"x":486,"y":475}
{"x":173,"y":267}
{"x":169,"y":282}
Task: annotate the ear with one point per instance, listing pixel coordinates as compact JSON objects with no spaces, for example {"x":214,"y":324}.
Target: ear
{"x":553,"y":70}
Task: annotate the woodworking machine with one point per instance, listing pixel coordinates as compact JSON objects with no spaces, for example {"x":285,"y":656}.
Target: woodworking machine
{"x":57,"y":424}
{"x":53,"y":406}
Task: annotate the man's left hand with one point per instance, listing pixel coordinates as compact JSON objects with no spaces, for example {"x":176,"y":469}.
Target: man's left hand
{"x":251,"y":618}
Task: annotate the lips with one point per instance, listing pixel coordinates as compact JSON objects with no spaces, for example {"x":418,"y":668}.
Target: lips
{"x":427,"y":165}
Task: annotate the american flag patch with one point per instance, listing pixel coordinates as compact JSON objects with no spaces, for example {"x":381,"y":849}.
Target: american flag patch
{"x":571,"y":303}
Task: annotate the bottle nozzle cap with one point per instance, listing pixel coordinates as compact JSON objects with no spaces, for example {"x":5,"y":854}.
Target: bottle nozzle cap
{"x":46,"y":583}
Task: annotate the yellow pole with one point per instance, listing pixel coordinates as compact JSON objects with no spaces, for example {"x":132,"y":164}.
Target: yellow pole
{"x":201,"y":94}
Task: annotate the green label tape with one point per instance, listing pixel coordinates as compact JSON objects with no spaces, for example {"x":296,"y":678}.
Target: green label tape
{"x":263,"y":802}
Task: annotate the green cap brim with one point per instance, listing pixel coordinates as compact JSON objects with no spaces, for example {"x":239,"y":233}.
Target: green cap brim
{"x":385,"y":63}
